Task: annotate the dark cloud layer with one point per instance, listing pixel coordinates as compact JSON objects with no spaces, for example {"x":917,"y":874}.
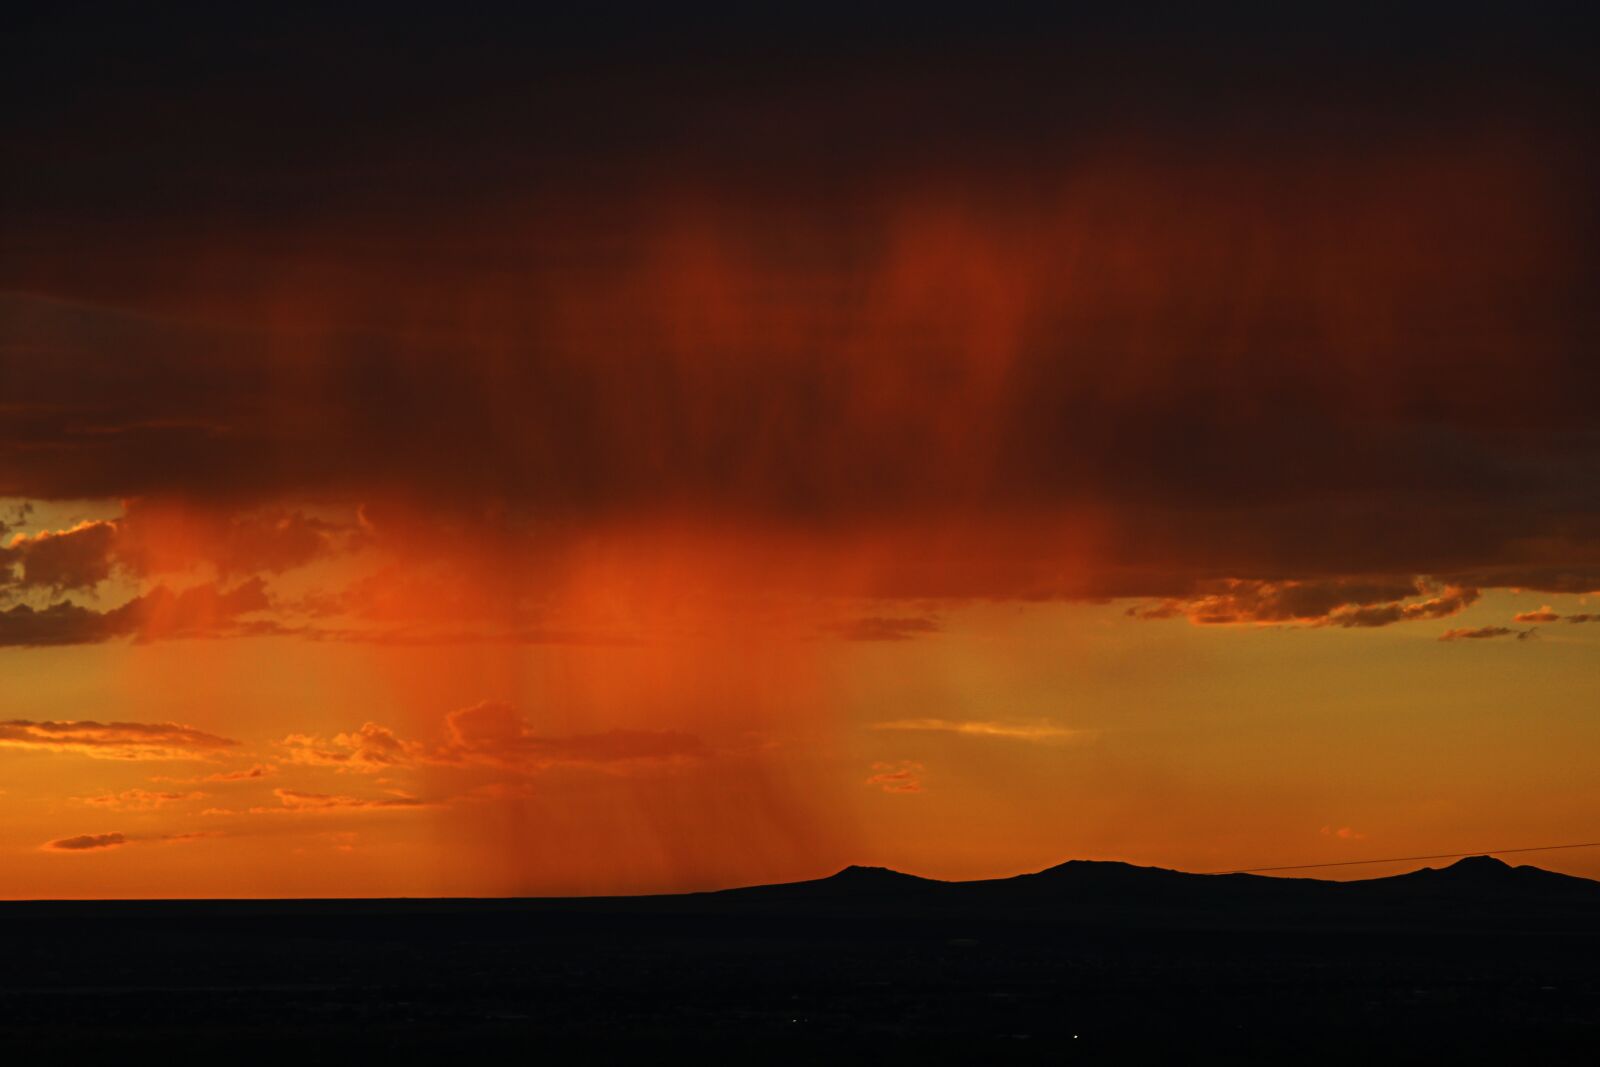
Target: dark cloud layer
{"x":1259,"y":319}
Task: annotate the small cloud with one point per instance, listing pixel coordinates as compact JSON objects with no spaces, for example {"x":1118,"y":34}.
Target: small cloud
{"x":1484,"y":633}
{"x":297,"y":802}
{"x":903,"y":776}
{"x":1343,"y":833}
{"x":252,"y":773}
{"x":1544,"y":614}
{"x":86,"y":842}
{"x":1010,"y":730}
{"x":884,"y":628}
{"x":91,"y":842}
{"x":369,"y":750}
{"x":137,"y":799}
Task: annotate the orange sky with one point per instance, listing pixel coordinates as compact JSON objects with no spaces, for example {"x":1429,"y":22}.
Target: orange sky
{"x":632,"y":473}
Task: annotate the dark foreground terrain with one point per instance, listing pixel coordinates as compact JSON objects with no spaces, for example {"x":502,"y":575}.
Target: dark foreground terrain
{"x":1085,"y":962}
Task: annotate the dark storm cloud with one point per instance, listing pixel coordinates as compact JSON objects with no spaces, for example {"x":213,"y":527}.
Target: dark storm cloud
{"x":1285,"y":299}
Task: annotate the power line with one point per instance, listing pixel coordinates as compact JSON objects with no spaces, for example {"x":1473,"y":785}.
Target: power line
{"x":1409,"y":859}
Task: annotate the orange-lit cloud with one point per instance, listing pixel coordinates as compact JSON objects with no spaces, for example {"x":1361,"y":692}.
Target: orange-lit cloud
{"x":1345,"y":602}
{"x":1343,"y":833}
{"x":114,"y":740}
{"x":300,"y":802}
{"x":76,"y":558}
{"x":138,"y":799}
{"x":369,"y":750}
{"x":901,"y":776}
{"x":1546,"y":614}
{"x":1015,"y":731}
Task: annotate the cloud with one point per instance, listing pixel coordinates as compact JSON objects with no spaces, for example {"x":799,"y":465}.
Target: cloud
{"x":369,"y":750}
{"x":137,"y":799}
{"x":1483,"y":633}
{"x":114,"y":740}
{"x":259,"y":770}
{"x":207,"y":610}
{"x":1546,"y":614}
{"x":76,"y":558}
{"x":1008,"y":730}
{"x":884,"y":628}
{"x":153,"y":538}
{"x":1451,"y":601}
{"x":1344,"y":833}
{"x":300,"y":802}
{"x":90,"y":842}
{"x":65,"y":623}
{"x":252,"y":773}
{"x":86,"y":842}
{"x":1579,"y":577}
{"x":1341,"y":602}
{"x":902,"y":776}
{"x":489,"y":734}
{"x":18,"y":517}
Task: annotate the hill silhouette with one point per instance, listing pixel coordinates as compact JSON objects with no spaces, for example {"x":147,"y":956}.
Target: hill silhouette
{"x":1474,"y":890}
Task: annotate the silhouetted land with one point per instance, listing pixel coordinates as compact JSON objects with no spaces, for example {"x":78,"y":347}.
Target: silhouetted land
{"x":1085,"y":962}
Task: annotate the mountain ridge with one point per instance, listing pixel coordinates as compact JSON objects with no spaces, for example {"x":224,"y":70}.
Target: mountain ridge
{"x":1474,"y":892}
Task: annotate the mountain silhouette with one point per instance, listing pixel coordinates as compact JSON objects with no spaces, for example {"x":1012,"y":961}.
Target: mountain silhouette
{"x":1477,"y":890}
{"x":853,"y":882}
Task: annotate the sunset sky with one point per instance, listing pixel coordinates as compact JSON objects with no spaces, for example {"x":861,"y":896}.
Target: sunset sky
{"x":480,"y":456}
